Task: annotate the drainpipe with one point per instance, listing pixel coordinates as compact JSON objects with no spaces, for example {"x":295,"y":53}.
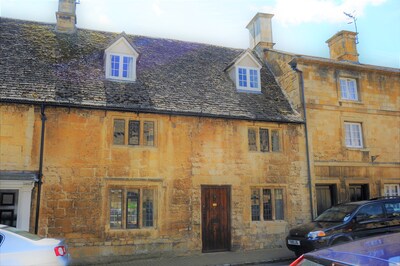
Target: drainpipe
{"x":40,"y":174}
{"x":303,"y":103}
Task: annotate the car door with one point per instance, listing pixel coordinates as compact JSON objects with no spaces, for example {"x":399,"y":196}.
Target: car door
{"x":369,"y":220}
{"x":393,"y":216}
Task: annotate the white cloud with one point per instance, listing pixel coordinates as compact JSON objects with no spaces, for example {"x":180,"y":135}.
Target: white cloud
{"x":315,"y":11}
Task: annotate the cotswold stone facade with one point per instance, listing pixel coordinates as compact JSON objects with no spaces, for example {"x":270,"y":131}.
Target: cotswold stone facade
{"x":342,"y":171}
{"x":82,"y":165}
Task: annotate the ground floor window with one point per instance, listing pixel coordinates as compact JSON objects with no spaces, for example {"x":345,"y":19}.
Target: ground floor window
{"x":392,"y":190}
{"x":267,"y":204}
{"x":131,"y":208}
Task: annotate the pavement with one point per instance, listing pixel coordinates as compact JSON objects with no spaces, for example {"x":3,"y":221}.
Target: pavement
{"x":227,"y":258}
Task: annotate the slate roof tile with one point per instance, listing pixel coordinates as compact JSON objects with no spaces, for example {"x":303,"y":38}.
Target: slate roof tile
{"x":39,"y":65}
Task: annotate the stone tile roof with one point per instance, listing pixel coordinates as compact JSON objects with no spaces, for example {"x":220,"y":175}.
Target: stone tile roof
{"x":40,"y":65}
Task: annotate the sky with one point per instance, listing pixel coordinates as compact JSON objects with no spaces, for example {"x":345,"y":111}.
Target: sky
{"x":298,"y":26}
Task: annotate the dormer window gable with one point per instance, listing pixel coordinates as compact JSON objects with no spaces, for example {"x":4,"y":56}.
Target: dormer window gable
{"x":245,"y":73}
{"x":120,"y":63}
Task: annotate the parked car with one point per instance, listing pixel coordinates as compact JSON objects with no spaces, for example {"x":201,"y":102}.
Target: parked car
{"x":21,"y":248}
{"x":346,"y":222}
{"x":382,"y":250}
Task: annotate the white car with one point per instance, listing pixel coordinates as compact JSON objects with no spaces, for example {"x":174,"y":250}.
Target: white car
{"x":20,"y":248}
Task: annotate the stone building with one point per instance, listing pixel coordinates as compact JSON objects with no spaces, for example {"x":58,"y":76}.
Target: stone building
{"x":125,"y":144}
{"x":352,"y":112}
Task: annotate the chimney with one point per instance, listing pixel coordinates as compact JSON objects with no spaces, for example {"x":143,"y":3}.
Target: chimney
{"x":260,"y":31}
{"x":342,"y":46}
{"x":66,"y":16}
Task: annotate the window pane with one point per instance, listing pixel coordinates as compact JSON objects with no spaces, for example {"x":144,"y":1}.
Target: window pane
{"x":253,"y":78}
{"x":267,"y":204}
{"x":147,"y":208}
{"x":252,"y":139}
{"x":242,"y":77}
{"x":119,"y":131}
{"x":275,"y":140}
{"x":279,"y":213}
{"x":115,"y":65}
{"x":134,"y":132}
{"x":255,"y":205}
{"x":343,"y":88}
{"x":148,"y":133}
{"x":116,"y":208}
{"x":127,"y":67}
{"x":351,"y":85}
{"x":264,"y":140}
{"x":132,"y":207}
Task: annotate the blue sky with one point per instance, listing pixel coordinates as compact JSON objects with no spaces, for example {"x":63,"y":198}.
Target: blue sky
{"x":299,"y":26}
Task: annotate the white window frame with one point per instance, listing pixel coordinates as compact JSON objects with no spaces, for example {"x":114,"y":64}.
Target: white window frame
{"x":353,"y":133}
{"x":346,"y":85}
{"x":248,"y":79}
{"x":390,"y":189}
{"x":132,"y":72}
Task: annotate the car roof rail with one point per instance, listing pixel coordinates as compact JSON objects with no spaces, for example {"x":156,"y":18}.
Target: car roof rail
{"x":385,"y":197}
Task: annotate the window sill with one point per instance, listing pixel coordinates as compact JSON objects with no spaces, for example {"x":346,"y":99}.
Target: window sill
{"x":139,"y":147}
{"x":356,"y":149}
{"x":255,"y":91}
{"x":341,"y":101}
{"x":123,"y":80}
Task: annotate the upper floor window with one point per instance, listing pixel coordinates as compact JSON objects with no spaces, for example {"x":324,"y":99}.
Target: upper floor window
{"x":267,"y":204}
{"x":132,"y":208}
{"x":121,"y":60}
{"x":134,"y":132}
{"x":264,"y":140}
{"x":348,"y":88}
{"x":248,"y":78}
{"x":353,"y":132}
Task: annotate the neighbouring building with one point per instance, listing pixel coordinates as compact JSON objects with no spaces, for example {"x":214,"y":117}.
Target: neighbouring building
{"x":125,"y":144}
{"x":352,"y":111}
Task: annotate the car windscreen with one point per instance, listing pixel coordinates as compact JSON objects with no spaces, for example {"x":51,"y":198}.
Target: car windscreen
{"x":22,"y":233}
{"x":338,"y":213}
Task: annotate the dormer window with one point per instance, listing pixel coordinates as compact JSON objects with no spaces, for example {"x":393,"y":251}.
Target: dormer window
{"x":245,"y":72}
{"x":120,"y":63}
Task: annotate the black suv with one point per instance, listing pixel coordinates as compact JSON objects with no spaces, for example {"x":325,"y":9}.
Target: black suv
{"x":346,"y":222}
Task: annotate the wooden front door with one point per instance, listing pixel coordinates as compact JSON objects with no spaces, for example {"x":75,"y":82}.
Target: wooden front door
{"x":216,"y":228}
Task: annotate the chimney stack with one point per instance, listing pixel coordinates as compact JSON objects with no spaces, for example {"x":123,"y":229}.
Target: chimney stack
{"x":342,"y":46}
{"x":260,"y":30}
{"x":66,"y":16}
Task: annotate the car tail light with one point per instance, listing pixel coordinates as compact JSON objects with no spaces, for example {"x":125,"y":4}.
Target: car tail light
{"x":297,"y":261}
{"x":60,"y":251}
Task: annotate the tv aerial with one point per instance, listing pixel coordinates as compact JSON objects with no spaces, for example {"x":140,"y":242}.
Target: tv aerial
{"x":351,"y":16}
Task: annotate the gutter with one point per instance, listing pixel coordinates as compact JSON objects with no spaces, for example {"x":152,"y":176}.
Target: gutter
{"x":293,"y":64}
{"x":40,"y":173}
{"x":149,"y":111}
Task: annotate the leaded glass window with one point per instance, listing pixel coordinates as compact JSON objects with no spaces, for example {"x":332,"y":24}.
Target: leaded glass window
{"x":252,"y":139}
{"x":134,"y":132}
{"x":275,"y":140}
{"x":255,"y":205}
{"x":267,"y":204}
{"x":264,"y":140}
{"x":138,"y":210}
{"x":119,"y":131}
{"x":148,"y":133}
{"x":116,"y":208}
